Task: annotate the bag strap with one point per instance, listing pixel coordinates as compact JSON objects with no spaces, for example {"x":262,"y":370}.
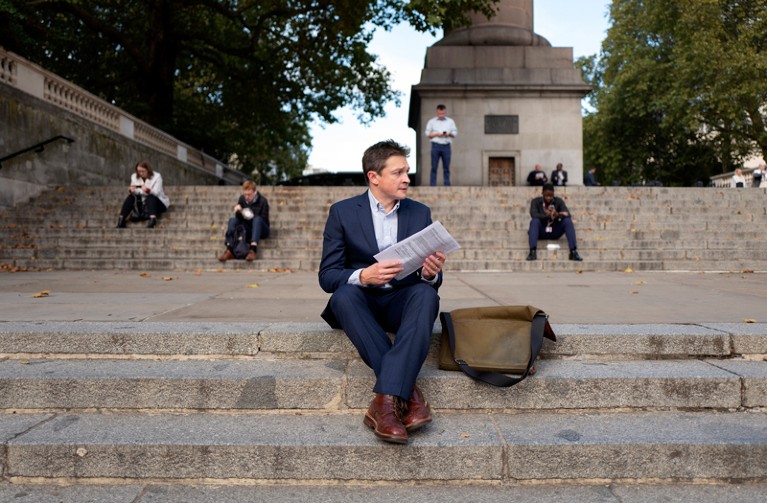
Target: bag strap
{"x":539,"y":325}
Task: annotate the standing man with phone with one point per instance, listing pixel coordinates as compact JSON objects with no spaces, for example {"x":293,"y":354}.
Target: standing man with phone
{"x":441,"y":130}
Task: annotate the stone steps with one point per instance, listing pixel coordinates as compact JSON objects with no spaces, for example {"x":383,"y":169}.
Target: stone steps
{"x":259,"y":403}
{"x":459,"y":447}
{"x":618,"y":228}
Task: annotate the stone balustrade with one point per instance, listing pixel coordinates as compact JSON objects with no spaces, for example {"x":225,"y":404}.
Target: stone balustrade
{"x":25,"y":76}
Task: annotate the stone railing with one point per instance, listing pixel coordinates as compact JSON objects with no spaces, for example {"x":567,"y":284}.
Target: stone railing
{"x":725,"y":179}
{"x":32,"y":79}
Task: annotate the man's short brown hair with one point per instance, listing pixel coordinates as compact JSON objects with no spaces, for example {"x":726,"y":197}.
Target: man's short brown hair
{"x":248,"y":185}
{"x":375,"y":157}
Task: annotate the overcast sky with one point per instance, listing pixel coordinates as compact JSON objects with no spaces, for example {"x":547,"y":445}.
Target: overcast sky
{"x":578,"y":24}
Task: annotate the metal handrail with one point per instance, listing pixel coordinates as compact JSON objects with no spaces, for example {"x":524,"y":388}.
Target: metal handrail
{"x":38,"y":147}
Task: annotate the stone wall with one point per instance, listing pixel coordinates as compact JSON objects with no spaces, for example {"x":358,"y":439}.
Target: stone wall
{"x":98,"y":156}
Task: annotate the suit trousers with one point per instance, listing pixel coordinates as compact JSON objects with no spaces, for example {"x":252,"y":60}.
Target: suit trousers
{"x":564,"y":226}
{"x":440,"y":151}
{"x":367,"y":314}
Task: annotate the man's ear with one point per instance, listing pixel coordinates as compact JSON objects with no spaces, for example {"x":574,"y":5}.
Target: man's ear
{"x":372,"y":177}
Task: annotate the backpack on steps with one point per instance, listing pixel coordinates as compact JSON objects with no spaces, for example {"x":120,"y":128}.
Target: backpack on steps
{"x":238,"y":241}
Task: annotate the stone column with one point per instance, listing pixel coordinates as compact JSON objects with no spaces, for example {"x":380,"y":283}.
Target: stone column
{"x":515,"y":100}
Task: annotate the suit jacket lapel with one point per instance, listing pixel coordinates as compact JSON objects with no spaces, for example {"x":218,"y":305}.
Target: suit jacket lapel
{"x":365,"y":222}
{"x":403,"y":220}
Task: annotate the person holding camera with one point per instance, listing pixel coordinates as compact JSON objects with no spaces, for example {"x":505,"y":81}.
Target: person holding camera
{"x":146,"y":198}
{"x":441,"y":130}
{"x":251,"y":212}
{"x":551,"y":219}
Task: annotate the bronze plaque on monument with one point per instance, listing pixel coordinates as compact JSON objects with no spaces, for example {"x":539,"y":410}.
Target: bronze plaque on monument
{"x":501,"y":124}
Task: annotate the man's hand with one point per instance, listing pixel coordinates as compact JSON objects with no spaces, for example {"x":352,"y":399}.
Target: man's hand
{"x":237,"y":208}
{"x":380,"y":273}
{"x":432,"y":265}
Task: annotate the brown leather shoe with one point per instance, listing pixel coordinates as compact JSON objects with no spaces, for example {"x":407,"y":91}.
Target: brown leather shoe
{"x":385,"y":417}
{"x":251,"y":255}
{"x":418,"y":411}
{"x":228,"y":255}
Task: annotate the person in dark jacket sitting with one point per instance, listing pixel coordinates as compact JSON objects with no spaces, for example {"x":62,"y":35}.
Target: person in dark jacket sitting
{"x":251,"y":210}
{"x":537,"y":176}
{"x":550,"y":219}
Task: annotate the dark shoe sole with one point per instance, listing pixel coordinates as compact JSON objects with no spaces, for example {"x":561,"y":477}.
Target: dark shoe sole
{"x":417,"y":425}
{"x":394,"y":439}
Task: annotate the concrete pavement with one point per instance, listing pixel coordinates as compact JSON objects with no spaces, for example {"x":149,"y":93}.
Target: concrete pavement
{"x":588,"y":297}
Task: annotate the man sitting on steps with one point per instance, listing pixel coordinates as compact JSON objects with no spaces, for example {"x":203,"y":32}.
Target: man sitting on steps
{"x":252,"y":211}
{"x":551,"y":219}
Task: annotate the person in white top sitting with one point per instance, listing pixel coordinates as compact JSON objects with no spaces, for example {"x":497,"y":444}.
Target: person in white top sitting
{"x":737,"y":179}
{"x":146,"y":197}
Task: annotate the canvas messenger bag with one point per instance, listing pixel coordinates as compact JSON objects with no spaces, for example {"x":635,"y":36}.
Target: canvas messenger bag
{"x":488,"y":342}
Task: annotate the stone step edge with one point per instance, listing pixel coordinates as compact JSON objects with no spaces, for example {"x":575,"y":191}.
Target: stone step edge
{"x":501,"y":447}
{"x":251,"y":491}
{"x":270,"y":385}
{"x":304,"y":339}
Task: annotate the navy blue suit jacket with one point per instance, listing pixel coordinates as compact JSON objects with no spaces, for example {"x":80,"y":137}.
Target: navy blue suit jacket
{"x":349,"y":242}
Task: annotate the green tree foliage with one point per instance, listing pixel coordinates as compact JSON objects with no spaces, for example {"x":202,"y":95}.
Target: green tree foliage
{"x":233,"y":77}
{"x":679,"y":90}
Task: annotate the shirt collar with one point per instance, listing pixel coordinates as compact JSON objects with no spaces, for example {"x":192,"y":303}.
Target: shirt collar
{"x":377,"y":207}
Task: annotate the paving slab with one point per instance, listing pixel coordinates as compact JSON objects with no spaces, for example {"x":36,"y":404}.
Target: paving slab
{"x":636,"y":445}
{"x":372,"y":494}
{"x":653,"y":340}
{"x":35,"y":493}
{"x":562,"y":384}
{"x":130,"y":337}
{"x":423,"y":493}
{"x":754,"y":375}
{"x":246,"y":295}
{"x":254,"y":446}
{"x":147,"y":384}
{"x":747,"y":338}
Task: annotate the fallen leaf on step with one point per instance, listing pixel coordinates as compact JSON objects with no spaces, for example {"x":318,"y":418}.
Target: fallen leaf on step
{"x":579,"y":271}
{"x":640,"y":283}
{"x":44,"y":293}
{"x":253,"y":285}
{"x":465,"y":435}
{"x":167,"y":278}
{"x":145,"y":275}
{"x":628,"y":269}
{"x":24,"y":362}
{"x":633,"y":292}
{"x":198,"y":272}
{"x":747,"y":271}
{"x":749,"y":320}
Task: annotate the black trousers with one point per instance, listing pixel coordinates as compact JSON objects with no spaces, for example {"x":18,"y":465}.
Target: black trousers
{"x":153,"y":205}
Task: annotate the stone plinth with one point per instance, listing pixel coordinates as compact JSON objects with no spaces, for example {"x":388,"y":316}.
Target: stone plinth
{"x":515,"y":99}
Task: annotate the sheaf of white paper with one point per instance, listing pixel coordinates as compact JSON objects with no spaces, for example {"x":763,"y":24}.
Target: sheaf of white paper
{"x":412,"y":252}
